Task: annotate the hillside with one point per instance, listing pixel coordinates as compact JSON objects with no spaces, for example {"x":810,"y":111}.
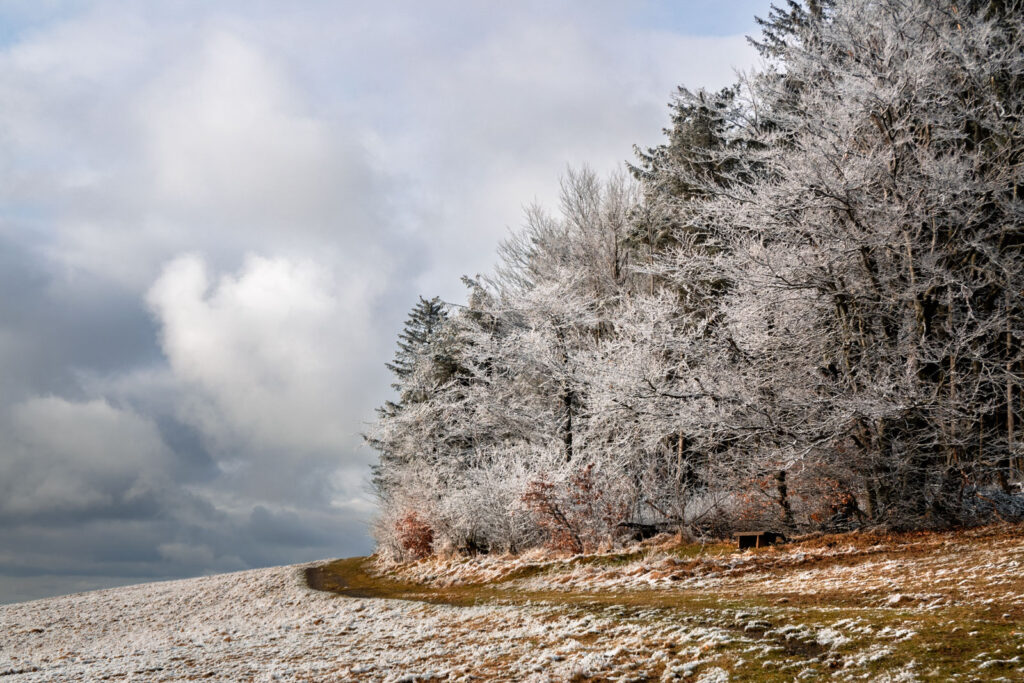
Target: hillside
{"x":855,"y":607}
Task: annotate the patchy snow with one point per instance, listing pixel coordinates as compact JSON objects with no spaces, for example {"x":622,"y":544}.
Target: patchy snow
{"x":715,"y":675}
{"x":830,"y":637}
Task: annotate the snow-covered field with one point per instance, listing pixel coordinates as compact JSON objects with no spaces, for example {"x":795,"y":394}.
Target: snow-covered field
{"x":939,"y":608}
{"x":266,"y":625}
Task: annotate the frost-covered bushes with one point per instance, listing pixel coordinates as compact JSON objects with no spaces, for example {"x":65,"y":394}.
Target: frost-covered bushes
{"x":510,"y":501}
{"x":404,"y":528}
{"x":483,"y":511}
{"x":579,"y":509}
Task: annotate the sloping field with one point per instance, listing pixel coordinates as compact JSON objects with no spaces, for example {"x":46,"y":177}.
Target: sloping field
{"x":858,"y":607}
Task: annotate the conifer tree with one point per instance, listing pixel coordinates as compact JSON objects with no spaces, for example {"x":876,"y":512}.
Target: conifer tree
{"x":422,"y":325}
{"x":417,"y":355}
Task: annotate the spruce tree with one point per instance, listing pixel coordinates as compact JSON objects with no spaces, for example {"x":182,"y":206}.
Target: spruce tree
{"x":416,"y":349}
{"x":425,"y":320}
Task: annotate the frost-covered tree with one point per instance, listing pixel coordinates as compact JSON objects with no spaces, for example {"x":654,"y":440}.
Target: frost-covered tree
{"x":521,"y":346}
{"x":875,"y":256}
{"x":806,"y":312}
{"x":415,"y":340}
{"x":421,"y":365}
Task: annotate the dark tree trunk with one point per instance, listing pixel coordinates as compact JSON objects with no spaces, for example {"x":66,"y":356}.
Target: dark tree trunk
{"x":783,"y":492}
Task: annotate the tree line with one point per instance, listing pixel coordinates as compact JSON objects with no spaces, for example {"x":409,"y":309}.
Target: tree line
{"x":801,"y":311}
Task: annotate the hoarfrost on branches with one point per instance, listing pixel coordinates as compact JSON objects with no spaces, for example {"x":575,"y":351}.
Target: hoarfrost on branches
{"x":803,"y":311}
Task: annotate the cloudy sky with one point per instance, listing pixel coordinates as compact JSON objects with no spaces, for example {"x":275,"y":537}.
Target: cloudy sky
{"x":214,"y":217}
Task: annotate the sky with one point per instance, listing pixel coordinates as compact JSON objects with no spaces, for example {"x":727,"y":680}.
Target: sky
{"x":215,"y":216}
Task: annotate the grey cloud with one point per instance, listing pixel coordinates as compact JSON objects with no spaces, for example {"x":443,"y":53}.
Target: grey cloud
{"x":174,"y":543}
{"x":53,"y":326}
{"x":213,"y":219}
{"x":94,"y":455}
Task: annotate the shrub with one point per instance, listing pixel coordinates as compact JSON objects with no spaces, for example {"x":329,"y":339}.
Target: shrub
{"x":414,"y":535}
{"x":578,"y":515}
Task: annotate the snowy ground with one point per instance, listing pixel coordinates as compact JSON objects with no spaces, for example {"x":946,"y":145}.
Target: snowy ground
{"x":947,"y":609}
{"x":266,"y":625}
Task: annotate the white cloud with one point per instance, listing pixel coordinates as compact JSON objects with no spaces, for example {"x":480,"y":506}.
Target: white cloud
{"x":267,"y":358}
{"x":129,"y":150}
{"x":228,"y":143}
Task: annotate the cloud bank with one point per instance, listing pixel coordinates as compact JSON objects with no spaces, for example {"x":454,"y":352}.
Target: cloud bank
{"x":214,"y":218}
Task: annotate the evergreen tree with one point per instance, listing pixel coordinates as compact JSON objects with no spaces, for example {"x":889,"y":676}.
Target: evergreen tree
{"x":414,"y":341}
{"x":417,"y":357}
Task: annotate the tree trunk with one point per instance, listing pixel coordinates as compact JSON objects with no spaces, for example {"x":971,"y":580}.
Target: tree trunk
{"x":567,"y":422}
{"x":872,"y":498}
{"x":1006,"y":464}
{"x":783,"y":499}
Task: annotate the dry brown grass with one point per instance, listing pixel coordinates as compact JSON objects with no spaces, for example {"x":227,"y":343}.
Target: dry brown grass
{"x":959,"y":595}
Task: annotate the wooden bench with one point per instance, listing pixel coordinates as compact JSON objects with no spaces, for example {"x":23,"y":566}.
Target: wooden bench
{"x":758,"y":539}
